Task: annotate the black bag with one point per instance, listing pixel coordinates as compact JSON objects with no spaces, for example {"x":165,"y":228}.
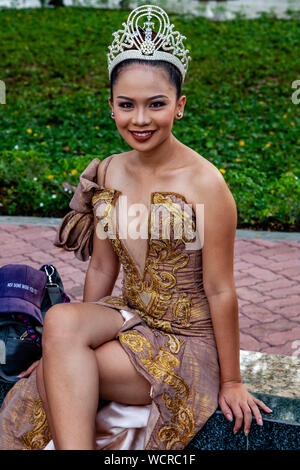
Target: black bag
{"x":20,"y":334}
{"x":55,"y":293}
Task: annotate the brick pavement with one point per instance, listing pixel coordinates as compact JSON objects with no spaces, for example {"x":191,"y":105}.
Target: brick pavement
{"x":267,"y":275}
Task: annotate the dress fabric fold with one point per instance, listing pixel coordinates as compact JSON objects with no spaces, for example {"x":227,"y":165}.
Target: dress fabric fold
{"x":167,"y":332}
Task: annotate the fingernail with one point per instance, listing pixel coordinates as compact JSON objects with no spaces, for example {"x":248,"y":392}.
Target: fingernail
{"x":234,"y":431}
{"x":260,"y":422}
{"x":228,"y":416}
{"x":246,"y":432}
{"x":270,"y":409}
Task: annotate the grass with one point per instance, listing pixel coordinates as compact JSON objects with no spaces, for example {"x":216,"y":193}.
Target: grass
{"x":239,"y":113}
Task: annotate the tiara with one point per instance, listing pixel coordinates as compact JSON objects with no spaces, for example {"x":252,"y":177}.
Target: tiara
{"x":165,"y":39}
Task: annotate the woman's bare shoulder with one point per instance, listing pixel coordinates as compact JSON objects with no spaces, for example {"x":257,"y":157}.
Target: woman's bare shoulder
{"x":208,"y":183}
{"x":116,"y":160}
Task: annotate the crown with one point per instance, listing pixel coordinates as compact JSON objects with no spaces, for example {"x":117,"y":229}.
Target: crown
{"x":166,"y":44}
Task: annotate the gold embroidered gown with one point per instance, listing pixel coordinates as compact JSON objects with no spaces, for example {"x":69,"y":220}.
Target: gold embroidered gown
{"x":167,"y":332}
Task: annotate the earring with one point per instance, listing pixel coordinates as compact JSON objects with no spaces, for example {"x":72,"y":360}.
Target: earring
{"x":112,"y":114}
{"x":179,"y":114}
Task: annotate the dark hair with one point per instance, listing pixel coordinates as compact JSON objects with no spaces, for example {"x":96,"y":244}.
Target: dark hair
{"x":173,"y":72}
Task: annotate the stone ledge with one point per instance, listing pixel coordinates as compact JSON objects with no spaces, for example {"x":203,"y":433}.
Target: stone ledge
{"x":274,"y":379}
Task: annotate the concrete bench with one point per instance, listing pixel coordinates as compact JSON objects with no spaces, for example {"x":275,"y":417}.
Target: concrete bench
{"x":274,"y":379}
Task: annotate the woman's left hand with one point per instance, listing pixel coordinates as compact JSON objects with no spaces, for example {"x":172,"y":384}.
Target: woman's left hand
{"x":29,"y":371}
{"x":235,"y":400}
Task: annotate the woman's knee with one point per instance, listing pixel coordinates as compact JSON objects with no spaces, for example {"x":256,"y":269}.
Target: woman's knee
{"x":61,"y":322}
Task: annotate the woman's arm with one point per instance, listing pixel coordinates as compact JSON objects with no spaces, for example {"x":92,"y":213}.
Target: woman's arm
{"x":220,"y":220}
{"x":103,"y":270}
{"x":104,"y":265}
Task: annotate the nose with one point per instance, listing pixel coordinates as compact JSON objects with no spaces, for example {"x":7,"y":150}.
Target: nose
{"x":140,"y":117}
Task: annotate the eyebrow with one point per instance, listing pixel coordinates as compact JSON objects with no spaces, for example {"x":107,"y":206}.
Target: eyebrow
{"x":152,"y":98}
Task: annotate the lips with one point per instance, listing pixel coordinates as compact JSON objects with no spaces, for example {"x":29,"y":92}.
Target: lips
{"x":142,"y":132}
{"x":142,"y":138}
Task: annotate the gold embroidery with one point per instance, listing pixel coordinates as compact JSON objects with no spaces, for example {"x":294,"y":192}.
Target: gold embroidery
{"x":182,"y":310}
{"x":151,"y":296}
{"x":162,"y":364}
{"x":39,"y":436}
{"x":115,"y":301}
{"x":183,"y":224}
{"x":174,"y":343}
{"x":106,"y":214}
{"x":155,"y":323}
{"x":161,"y":367}
{"x":136,"y":341}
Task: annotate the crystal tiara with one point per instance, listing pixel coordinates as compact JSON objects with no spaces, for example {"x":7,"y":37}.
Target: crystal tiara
{"x":130,"y":37}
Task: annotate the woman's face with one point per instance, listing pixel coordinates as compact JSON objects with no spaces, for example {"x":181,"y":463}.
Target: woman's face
{"x":145,"y":100}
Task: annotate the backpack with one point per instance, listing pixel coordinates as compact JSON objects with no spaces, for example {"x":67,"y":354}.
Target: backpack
{"x":21,"y":333}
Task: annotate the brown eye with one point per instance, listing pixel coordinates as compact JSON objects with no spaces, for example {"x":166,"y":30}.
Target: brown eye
{"x":123,"y":105}
{"x":158,"y":102}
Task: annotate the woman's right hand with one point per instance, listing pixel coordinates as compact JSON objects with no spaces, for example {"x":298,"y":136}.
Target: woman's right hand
{"x":29,"y":371}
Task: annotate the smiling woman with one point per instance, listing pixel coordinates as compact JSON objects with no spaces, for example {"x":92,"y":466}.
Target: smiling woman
{"x":135,"y":112}
{"x":147,"y":369}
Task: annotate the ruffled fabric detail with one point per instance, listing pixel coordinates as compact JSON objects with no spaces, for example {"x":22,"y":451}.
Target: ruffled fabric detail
{"x":75,"y":232}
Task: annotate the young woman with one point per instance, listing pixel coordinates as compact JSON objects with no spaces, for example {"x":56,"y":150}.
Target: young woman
{"x":162,"y":356}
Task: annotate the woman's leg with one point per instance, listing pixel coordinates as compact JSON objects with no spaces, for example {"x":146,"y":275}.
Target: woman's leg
{"x":118,"y":378}
{"x":71,"y":333}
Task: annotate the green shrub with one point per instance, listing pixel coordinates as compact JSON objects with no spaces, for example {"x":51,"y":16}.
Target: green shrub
{"x":239,"y":114}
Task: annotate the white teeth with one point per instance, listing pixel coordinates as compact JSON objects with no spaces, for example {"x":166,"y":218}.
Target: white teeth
{"x":142,"y":134}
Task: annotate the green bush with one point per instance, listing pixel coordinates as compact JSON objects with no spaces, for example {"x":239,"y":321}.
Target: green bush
{"x":239,"y":114}
{"x":30,"y":185}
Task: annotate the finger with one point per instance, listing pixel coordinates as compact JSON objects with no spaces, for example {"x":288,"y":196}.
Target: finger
{"x":262,"y":405}
{"x":247,"y":417}
{"x":30,"y":369}
{"x":23,"y":374}
{"x":237,"y":411}
{"x":256,"y":412}
{"x":225,"y":409}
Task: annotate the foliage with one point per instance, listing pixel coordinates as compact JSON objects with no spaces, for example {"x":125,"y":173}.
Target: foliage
{"x":239,"y":113}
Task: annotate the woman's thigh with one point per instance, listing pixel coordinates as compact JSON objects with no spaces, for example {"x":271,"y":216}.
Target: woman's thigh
{"x":119,"y":379}
{"x":88,"y":323}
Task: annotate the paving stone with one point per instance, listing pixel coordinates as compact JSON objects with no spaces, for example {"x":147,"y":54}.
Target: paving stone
{"x":264,"y":274}
{"x":246,"y":281}
{"x":249,"y":343}
{"x":245,"y":322}
{"x":240,"y":265}
{"x":291,"y":272}
{"x":276,"y":304}
{"x":287,"y":291}
{"x":281,"y":248}
{"x":259,"y":314}
{"x":267,"y":278}
{"x":291,"y":312}
{"x":283,"y":337}
{"x":292,"y":254}
{"x":252,"y":259}
{"x":274,"y":285}
{"x":251,"y":295}
{"x":285,"y":349}
{"x":268,"y":329}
